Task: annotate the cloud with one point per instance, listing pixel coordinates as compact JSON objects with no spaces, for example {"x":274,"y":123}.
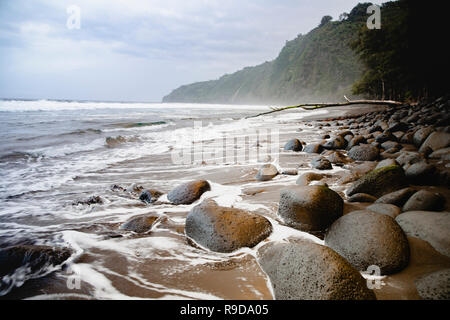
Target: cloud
{"x":141,"y":50}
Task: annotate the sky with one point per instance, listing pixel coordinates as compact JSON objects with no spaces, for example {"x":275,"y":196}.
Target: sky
{"x":140,"y":50}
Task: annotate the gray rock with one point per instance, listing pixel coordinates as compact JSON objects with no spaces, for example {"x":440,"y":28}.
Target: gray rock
{"x":443,"y":154}
{"x":310,"y":208}
{"x":366,"y":238}
{"x":385,"y":136}
{"x":434,"y":286}
{"x":313,"y":148}
{"x":266,"y":172}
{"x":397,"y":198}
{"x":430,"y":226}
{"x":364,"y":152}
{"x":150,"y":195}
{"x":290,"y":172}
{"x":140,"y":224}
{"x":361,"y":197}
{"x":356,"y":141}
{"x":436,"y":141}
{"x":388,"y":145}
{"x":305,"y":178}
{"x":321,"y":163}
{"x":293,"y":145}
{"x":421,"y":135}
{"x":224,"y":229}
{"x":385,"y":208}
{"x":408,"y":157}
{"x":336,"y":157}
{"x":379,"y":182}
{"x":421,"y":173}
{"x":424,"y":200}
{"x":336,"y":143}
{"x":309,"y":271}
{"x":189,"y":192}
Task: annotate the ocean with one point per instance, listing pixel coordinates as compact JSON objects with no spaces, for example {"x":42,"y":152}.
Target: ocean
{"x":56,"y":155}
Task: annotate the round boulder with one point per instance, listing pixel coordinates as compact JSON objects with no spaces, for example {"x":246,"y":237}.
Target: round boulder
{"x":320,"y":163}
{"x":421,"y":173}
{"x":361,"y":197}
{"x":366,"y":238}
{"x":266,"y":172}
{"x":293,"y":145}
{"x":310,"y":208}
{"x":424,"y":200}
{"x":139,"y":224}
{"x":313,"y":148}
{"x":434,"y":286}
{"x":309,"y":271}
{"x":150,"y":195}
{"x":397,"y":198}
{"x":224,"y":229}
{"x":189,"y":192}
{"x":364,"y":152}
{"x":379,"y":182}
{"x":385,"y":208}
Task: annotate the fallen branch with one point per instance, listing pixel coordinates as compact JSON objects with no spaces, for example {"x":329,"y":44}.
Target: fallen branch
{"x":313,"y":106}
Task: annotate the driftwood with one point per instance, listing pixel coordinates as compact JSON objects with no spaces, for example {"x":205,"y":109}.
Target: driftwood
{"x":313,"y":106}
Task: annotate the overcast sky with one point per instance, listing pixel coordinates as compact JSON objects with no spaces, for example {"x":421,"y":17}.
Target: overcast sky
{"x":137,"y":50}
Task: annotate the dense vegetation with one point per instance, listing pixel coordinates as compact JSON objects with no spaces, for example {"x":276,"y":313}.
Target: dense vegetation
{"x":406,"y":59}
{"x":319,"y":65}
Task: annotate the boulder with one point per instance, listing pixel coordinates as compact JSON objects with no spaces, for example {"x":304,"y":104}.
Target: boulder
{"x":293,"y":145}
{"x":364,"y":152}
{"x":224,"y":229}
{"x":336,"y":157}
{"x":139,"y":224}
{"x":356,"y":140}
{"x":310,"y":208}
{"x":33,"y":257}
{"x":366,"y":238}
{"x":386,"y":163}
{"x":189,"y":192}
{"x":421,"y":135}
{"x":321,"y":163}
{"x":336,"y":143}
{"x":385,"y":136}
{"x":443,"y":154}
{"x":435,"y":141}
{"x":361,"y":197}
{"x":266,"y":172}
{"x":379,"y":182}
{"x":150,"y":195}
{"x":421,"y":173}
{"x":313,"y":148}
{"x":397,"y":198}
{"x":305,"y":178}
{"x":424,"y":200}
{"x":385,"y":208}
{"x":309,"y":271}
{"x":430,"y":226}
{"x":409,"y":157}
{"x":434,"y":286}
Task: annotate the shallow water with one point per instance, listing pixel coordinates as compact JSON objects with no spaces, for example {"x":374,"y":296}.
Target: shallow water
{"x":54,"y":155}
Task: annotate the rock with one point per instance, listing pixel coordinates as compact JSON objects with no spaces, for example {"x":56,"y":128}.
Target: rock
{"x":150,"y":195}
{"x":430,"y":226}
{"x":364,"y":152}
{"x":397,"y":198}
{"x":385,"y":136}
{"x":293,"y":145}
{"x":408,"y":157}
{"x":139,"y":224}
{"x":266,"y":172}
{"x":310,"y":208}
{"x":309,"y":271}
{"x":421,"y":135}
{"x":224,"y":229}
{"x":336,"y":157}
{"x":366,"y":238}
{"x":356,"y":141}
{"x":421,"y":173}
{"x":379,"y":182}
{"x":33,"y":257}
{"x":313,"y":148}
{"x":336,"y":143}
{"x":305,"y":178}
{"x":443,"y":154}
{"x":290,"y":172}
{"x":90,"y":201}
{"x":385,"y":208}
{"x":188,"y":192}
{"x":386,"y":163}
{"x":424,"y":200}
{"x":321,"y":163}
{"x":436,"y":141}
{"x":391,"y":145}
{"x":407,"y":138}
{"x":434,"y":286}
{"x":361,"y":197}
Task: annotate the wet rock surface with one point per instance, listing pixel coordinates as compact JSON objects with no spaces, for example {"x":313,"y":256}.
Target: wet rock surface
{"x":189,"y":192}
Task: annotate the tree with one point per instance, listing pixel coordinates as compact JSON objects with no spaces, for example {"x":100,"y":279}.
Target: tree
{"x":325,"y":20}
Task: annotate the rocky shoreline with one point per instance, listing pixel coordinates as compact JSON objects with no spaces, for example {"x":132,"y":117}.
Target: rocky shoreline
{"x":373,"y":185}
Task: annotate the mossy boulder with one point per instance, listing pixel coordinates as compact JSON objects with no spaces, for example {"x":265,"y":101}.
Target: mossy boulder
{"x":225,"y":229}
{"x":310,"y":208}
{"x":309,"y":271}
{"x":379,"y":182}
